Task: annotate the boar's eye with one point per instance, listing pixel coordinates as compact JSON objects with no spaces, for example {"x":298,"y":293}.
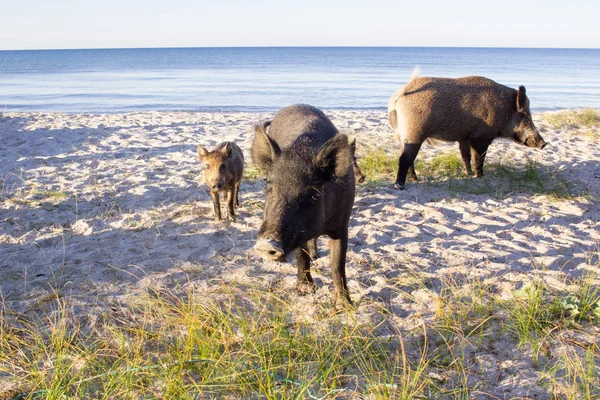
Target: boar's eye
{"x":222,"y":168}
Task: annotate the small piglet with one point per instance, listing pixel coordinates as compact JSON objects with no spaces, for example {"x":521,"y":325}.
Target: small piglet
{"x":224,"y":169}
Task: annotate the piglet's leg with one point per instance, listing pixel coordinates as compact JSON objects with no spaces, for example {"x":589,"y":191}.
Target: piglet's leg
{"x":230,"y":200}
{"x":216,"y":205}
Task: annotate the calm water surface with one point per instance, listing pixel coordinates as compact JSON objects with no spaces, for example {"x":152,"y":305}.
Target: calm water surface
{"x":265,"y":79}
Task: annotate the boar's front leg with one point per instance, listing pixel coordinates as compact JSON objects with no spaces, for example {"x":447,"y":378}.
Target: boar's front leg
{"x":406,"y":164}
{"x":337,"y":250}
{"x":465,"y":152}
{"x":216,"y":205}
{"x":313,"y":251}
{"x":478,"y":151}
{"x":304,"y":283}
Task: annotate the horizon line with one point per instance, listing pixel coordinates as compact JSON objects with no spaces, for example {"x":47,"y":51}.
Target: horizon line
{"x":305,"y":46}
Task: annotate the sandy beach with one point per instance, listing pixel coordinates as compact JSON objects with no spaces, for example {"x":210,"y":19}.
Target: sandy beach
{"x":101,"y":207}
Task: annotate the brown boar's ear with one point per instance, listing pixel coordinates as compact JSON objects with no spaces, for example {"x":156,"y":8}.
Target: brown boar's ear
{"x":202,"y":152}
{"x":226,"y":150}
{"x":521,"y":99}
{"x":334,"y":157}
{"x":264,"y":149}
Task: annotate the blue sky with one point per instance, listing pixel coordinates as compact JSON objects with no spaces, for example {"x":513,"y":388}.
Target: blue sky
{"x":52,"y":24}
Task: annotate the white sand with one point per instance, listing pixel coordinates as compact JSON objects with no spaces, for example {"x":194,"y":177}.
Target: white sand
{"x":102,"y":206}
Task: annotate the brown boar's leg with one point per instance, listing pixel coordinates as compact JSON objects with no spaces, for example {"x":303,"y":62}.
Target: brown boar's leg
{"x":406,"y":164}
{"x":313,"y":251}
{"x":337,"y":253}
{"x":216,"y":205}
{"x":465,"y":152}
{"x":304,"y":283}
{"x":237,"y":194}
{"x":478,"y":151}
{"x":230,"y":201}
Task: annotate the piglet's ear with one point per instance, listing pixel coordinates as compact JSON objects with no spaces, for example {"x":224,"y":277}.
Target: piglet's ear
{"x":334,"y":158}
{"x":202,"y":152}
{"x":521,"y":99}
{"x":264,"y":149}
{"x":226,"y":150}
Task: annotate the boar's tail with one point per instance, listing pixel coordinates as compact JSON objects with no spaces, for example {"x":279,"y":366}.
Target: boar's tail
{"x":416,"y":73}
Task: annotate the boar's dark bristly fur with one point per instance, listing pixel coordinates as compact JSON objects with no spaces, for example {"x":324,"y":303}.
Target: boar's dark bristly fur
{"x":310,"y":191}
{"x":472,"y":111}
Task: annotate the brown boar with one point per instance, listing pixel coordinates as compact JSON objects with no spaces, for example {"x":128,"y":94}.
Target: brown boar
{"x":472,"y":111}
{"x":310,"y":191}
{"x":223,"y":173}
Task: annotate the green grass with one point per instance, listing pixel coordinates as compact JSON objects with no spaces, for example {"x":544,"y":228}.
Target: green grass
{"x":589,"y":117}
{"x":251,"y":344}
{"x":442,"y":165}
{"x":252,"y":173}
{"x":505,"y":178}
{"x":378,"y":166}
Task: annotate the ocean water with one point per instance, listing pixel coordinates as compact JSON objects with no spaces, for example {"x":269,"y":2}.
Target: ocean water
{"x":266,"y":79}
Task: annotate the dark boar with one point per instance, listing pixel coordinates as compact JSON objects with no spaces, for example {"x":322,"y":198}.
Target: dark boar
{"x":472,"y":111}
{"x":310,"y":191}
{"x":223,"y":173}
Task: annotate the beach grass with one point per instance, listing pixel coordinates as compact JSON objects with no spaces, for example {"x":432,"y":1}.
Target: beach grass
{"x":169,"y":344}
{"x":574,"y":118}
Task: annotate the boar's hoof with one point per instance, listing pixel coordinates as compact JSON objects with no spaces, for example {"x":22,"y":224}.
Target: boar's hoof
{"x":304,"y":288}
{"x":398,"y":186}
{"x":342,"y":301}
{"x":269,"y":250}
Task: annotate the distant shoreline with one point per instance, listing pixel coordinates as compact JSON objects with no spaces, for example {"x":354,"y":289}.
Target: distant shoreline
{"x":307,"y":47}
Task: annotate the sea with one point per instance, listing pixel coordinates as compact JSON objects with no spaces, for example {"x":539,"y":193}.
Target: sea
{"x":269,"y":78}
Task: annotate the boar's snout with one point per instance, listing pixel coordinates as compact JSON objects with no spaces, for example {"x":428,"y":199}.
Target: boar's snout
{"x":360,"y":178}
{"x":269,"y":250}
{"x":541,"y":144}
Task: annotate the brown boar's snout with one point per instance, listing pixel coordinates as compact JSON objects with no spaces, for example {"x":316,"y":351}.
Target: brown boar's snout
{"x":269,"y":249}
{"x":360,"y":178}
{"x":542,"y":144}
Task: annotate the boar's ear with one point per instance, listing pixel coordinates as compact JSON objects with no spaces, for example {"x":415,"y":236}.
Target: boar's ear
{"x":202,"y":152}
{"x":264,"y":149}
{"x":521,"y":99}
{"x":334,"y":158}
{"x":226,"y":150}
{"x":353,"y":145}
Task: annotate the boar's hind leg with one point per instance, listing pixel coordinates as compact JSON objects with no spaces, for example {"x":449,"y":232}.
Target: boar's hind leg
{"x":465,"y":152}
{"x":406,"y":164}
{"x":337,"y":250}
{"x":216,"y":205}
{"x":304,"y":283}
{"x":313,"y":251}
{"x":478,"y":151}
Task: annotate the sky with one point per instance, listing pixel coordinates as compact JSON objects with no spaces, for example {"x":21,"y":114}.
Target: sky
{"x":68,"y":24}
